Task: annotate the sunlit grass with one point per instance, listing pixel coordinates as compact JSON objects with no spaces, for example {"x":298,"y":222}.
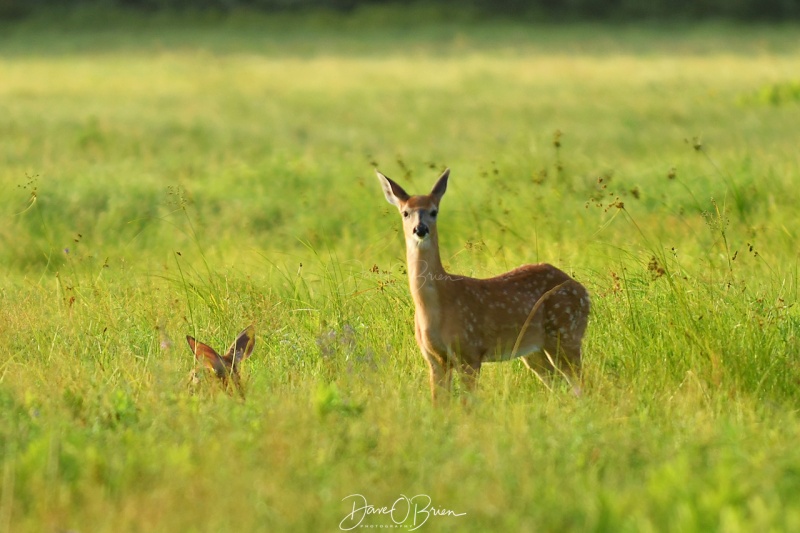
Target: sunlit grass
{"x":174,"y":179}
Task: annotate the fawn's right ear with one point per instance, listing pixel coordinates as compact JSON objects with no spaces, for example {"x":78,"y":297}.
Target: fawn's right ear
{"x":394,"y":193}
{"x":242,"y":347}
{"x":441,"y":185}
{"x":207,"y":355}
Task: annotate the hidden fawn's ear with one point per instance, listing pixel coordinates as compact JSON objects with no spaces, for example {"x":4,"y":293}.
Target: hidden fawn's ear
{"x":207,"y":355}
{"x":242,"y":347}
{"x":441,"y":186}
{"x":394,"y":193}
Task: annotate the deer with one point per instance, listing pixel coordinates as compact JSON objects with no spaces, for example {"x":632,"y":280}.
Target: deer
{"x":226,"y":366}
{"x":536,"y":312}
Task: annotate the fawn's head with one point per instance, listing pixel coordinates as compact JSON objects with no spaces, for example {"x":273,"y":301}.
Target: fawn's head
{"x":419,"y":212}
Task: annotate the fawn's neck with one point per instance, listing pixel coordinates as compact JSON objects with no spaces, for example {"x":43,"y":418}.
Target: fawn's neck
{"x":425,"y":270}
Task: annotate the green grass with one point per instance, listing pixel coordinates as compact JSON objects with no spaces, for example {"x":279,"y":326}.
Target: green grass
{"x":163,"y":178}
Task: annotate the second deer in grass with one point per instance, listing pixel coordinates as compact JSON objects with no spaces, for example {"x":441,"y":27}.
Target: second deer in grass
{"x":226,"y":366}
{"x":536,"y":312}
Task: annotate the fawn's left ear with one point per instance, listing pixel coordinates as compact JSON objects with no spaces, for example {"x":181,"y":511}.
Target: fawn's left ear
{"x":441,"y":186}
{"x":242,"y":347}
{"x":208,"y":356}
{"x":394,"y":193}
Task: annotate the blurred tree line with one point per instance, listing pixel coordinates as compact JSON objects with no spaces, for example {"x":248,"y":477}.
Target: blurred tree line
{"x":755,"y":10}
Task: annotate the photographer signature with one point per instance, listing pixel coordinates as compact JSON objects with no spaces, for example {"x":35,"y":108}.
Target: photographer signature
{"x":408,"y":512}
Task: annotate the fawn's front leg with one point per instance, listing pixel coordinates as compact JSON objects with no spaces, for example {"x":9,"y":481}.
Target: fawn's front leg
{"x":441,"y":376}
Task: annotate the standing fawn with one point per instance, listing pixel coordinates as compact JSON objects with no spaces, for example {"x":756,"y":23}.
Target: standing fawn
{"x":226,"y":366}
{"x":536,"y":312}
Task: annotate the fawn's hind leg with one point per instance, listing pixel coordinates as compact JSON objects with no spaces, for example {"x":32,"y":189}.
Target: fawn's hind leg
{"x":540,"y":365}
{"x":469,"y":374}
{"x":567,"y":358}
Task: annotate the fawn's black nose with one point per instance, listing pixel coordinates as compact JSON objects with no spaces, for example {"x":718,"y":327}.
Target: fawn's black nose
{"x":421,"y":230}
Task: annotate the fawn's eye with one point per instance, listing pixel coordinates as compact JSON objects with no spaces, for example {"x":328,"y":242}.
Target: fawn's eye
{"x":405,"y":214}
{"x":434,"y":213}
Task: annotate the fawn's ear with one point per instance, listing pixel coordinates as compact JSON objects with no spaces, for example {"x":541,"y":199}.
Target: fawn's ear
{"x":207,"y":355}
{"x":394,"y":193}
{"x":242,"y":347}
{"x":441,"y":186}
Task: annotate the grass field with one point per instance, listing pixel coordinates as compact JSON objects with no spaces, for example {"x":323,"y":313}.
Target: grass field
{"x":165,"y":177}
